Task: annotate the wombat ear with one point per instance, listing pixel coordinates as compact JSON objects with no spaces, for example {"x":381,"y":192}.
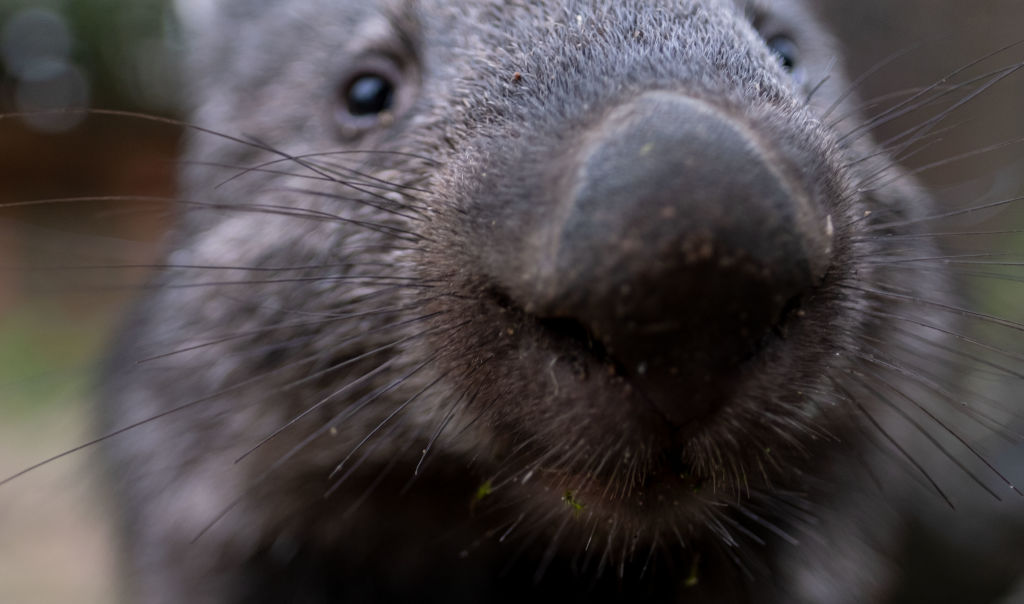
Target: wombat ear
{"x":195,"y":15}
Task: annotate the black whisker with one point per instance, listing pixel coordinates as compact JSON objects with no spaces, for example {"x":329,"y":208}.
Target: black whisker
{"x":897,"y":446}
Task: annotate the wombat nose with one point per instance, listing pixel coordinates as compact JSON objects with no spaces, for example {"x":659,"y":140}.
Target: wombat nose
{"x":680,"y":240}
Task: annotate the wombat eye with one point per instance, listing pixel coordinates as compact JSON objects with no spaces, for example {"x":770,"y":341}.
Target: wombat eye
{"x":372,"y":93}
{"x":369,"y":94}
{"x":785,"y":49}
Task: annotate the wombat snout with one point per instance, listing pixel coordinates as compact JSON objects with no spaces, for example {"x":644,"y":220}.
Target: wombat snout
{"x":676,"y":237}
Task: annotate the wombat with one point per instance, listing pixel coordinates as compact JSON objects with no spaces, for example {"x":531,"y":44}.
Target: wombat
{"x":476,"y":301}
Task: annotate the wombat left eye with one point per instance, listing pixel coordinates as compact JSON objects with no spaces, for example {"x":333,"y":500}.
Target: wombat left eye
{"x":786,"y":50}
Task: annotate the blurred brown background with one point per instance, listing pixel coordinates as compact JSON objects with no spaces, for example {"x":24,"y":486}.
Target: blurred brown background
{"x":54,"y":542}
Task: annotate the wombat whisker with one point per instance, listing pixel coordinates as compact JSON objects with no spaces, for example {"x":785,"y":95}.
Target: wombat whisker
{"x":928,"y":125}
{"x":398,"y":233}
{"x":879,"y":102}
{"x":959,"y":310}
{"x":240,"y":172}
{"x":200,"y":267}
{"x":941,"y":92}
{"x":384,"y":229}
{"x":406,"y":189}
{"x":295,"y":450}
{"x":362,"y":314}
{"x":888,"y":438}
{"x":939,"y":235}
{"x":320,"y":171}
{"x":876,"y":358}
{"x":952,"y":268}
{"x":634,"y":475}
{"x":602,"y":562}
{"x":92,"y":199}
{"x":512,"y":527}
{"x":796,"y":505}
{"x":350,"y":361}
{"x":125,"y":429}
{"x":614,"y":480}
{"x":291,"y":212}
{"x":987,"y":276}
{"x":859,"y":81}
{"x":821,"y":83}
{"x":319,"y":322}
{"x":969,"y":406}
{"x":357,"y":200}
{"x":147,"y":117}
{"x":332,"y":397}
{"x":1000,"y":204}
{"x":878,"y":184}
{"x":787,"y":507}
{"x":967,"y":155}
{"x":338,"y":483}
{"x":787,"y":432}
{"x":533,"y":534}
{"x":387,"y":420}
{"x":909,"y":105}
{"x":624,"y":549}
{"x":549,"y":552}
{"x":893,"y":456}
{"x":419,"y":303}
{"x":519,"y":464}
{"x":906,"y":151}
{"x":764,"y":523}
{"x":445,"y":421}
{"x":410,"y":189}
{"x":256,"y":483}
{"x":377,"y":480}
{"x":403,"y":190}
{"x":919,"y":144}
{"x":895,"y":259}
{"x":656,"y":545}
{"x":730,"y":546}
{"x":370,"y":280}
{"x":591,"y":474}
{"x":387,"y":280}
{"x":588,"y":552}
{"x":881,"y":314}
{"x":263,"y":167}
{"x":352,"y":409}
{"x":369,"y":152}
{"x":528,"y":464}
{"x":367,"y":188}
{"x":924,"y":432}
{"x":715,"y":519}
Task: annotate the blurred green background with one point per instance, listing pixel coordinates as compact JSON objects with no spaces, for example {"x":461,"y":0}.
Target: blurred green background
{"x":55,"y":541}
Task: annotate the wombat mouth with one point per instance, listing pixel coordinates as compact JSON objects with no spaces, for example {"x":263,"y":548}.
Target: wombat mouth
{"x":668,"y":479}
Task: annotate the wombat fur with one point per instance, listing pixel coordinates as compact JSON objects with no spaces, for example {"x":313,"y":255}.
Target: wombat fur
{"x":593,"y":301}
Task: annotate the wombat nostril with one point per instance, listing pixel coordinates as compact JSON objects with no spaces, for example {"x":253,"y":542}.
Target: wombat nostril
{"x":678,"y":243}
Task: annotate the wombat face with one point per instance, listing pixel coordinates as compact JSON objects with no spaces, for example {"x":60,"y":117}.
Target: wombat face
{"x":596,"y":269}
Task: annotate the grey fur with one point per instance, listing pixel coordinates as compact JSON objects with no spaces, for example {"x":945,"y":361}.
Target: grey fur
{"x":383,"y":292}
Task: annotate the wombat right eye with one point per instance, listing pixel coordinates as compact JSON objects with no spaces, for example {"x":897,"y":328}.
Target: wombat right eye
{"x":369,"y":94}
{"x":373,"y":93}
